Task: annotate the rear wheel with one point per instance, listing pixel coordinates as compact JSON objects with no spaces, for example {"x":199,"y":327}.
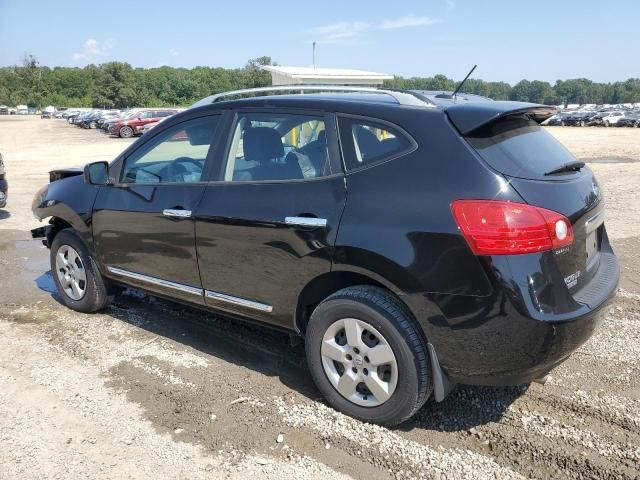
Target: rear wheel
{"x":79,"y":283}
{"x":92,"y":125}
{"x":367,"y":355}
{"x":126,"y":132}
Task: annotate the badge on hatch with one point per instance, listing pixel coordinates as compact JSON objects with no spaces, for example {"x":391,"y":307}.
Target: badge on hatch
{"x":572,"y":279}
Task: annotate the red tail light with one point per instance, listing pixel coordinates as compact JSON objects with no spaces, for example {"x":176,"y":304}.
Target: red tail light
{"x":494,"y":227}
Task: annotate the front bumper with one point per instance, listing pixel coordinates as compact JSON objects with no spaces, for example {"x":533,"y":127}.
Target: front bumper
{"x":4,"y":191}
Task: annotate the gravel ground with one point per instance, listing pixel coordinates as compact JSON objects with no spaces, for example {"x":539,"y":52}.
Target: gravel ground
{"x":150,"y":388}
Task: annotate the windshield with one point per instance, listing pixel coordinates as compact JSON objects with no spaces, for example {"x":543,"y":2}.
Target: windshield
{"x":519,"y":147}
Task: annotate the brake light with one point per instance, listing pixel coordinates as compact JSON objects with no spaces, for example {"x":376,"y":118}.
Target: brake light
{"x":493,"y":227}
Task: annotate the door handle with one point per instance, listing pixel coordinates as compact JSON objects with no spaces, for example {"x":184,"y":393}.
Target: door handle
{"x":176,"y":213}
{"x":312,"y":222}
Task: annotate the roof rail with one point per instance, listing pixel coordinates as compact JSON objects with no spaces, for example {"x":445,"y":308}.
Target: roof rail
{"x":402,"y":97}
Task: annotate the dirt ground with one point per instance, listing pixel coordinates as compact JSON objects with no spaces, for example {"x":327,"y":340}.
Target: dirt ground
{"x":152,"y":389}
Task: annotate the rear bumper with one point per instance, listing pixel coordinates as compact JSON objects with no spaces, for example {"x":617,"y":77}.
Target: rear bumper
{"x":505,"y":338}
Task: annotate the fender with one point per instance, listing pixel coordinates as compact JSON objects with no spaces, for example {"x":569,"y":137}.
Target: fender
{"x":69,"y":200}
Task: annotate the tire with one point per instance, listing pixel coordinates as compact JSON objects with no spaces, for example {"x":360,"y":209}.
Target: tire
{"x":582,"y":124}
{"x":392,"y":325}
{"x":95,"y":288}
{"x":92,"y":125}
{"x":606,"y":123}
{"x":125,"y":132}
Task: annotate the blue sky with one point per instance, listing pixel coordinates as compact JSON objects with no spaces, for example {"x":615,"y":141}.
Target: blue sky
{"x":509,"y":40}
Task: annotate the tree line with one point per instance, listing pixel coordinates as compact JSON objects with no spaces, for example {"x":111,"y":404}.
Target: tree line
{"x":119,"y":85}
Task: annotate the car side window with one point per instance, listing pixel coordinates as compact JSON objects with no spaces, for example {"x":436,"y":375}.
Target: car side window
{"x":177,"y":155}
{"x":366,"y":142}
{"x":277,"y":146}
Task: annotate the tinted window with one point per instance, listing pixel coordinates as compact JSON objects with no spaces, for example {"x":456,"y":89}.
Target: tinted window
{"x":370,"y":142}
{"x":277,"y":147}
{"x":176,"y":155}
{"x":519,"y":147}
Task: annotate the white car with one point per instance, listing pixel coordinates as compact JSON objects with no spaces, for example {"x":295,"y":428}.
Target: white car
{"x":612,"y":118}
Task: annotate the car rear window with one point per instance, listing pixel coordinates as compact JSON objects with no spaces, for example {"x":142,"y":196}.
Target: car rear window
{"x":519,"y":147}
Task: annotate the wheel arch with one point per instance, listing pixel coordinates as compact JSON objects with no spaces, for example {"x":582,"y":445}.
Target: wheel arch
{"x":327,"y":284}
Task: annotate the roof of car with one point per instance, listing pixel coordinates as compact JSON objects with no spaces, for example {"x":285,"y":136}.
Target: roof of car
{"x":468,"y":112}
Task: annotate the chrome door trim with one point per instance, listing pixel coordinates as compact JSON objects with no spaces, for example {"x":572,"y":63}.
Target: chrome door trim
{"x":156,"y":281}
{"x":241,"y":302}
{"x":306,"y":222}
{"x":175,"y":213}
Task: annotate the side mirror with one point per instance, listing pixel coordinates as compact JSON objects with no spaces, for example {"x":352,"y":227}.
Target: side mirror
{"x":96,"y":173}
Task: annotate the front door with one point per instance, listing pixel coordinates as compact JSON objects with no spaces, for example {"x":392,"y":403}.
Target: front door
{"x":266,"y":229}
{"x":143,"y":225}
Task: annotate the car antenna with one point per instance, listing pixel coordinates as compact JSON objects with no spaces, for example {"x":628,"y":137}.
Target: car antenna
{"x":455,"y":92}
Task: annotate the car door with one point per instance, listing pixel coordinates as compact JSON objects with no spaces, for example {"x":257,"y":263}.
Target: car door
{"x":143,"y":225}
{"x":267,"y":227}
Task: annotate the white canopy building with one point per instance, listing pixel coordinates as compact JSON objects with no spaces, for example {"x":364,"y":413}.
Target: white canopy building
{"x":281,"y":75}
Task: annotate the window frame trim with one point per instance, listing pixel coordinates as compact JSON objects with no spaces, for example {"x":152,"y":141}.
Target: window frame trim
{"x":335,"y":164}
{"x":412,"y":147}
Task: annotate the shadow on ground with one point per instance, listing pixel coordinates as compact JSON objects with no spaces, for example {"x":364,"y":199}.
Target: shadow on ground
{"x":270,"y":352}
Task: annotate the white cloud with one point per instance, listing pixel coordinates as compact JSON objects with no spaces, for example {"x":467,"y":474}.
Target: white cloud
{"x":340,"y":31}
{"x":173,"y":52}
{"x":406,"y":22}
{"x":92,"y":49}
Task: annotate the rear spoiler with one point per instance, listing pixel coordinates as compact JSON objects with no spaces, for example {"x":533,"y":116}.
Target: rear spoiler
{"x":467,"y":117}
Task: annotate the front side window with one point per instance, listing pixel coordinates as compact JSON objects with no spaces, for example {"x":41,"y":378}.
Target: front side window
{"x":177,"y":155}
{"x":370,"y":142}
{"x":277,"y":147}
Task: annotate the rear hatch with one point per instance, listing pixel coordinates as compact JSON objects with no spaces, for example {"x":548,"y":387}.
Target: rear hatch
{"x":532,"y":161}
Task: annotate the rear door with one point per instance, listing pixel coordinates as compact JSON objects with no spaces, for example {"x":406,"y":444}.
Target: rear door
{"x":526,"y":155}
{"x":266,"y":228}
{"x":143,"y":225}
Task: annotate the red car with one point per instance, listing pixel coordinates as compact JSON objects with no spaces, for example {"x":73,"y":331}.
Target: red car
{"x":133,"y":126}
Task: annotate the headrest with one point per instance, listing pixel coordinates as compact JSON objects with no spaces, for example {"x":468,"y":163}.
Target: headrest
{"x":261,"y":144}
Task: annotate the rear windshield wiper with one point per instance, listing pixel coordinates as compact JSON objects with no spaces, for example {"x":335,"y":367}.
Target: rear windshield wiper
{"x":567,"y":167}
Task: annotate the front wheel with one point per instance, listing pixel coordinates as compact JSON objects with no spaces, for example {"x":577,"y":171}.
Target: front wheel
{"x":125,"y":132}
{"x":367,"y":355}
{"x":79,"y":283}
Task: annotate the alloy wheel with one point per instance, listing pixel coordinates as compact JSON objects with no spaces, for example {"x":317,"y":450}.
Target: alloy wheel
{"x":126,"y":132}
{"x":71,"y":272}
{"x":359,"y":362}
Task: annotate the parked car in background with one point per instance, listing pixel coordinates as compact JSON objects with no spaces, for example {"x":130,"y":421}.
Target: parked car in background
{"x":132,"y":126}
{"x":631,"y":119}
{"x":107,"y":116}
{"x":108,"y":124}
{"x":4,"y":110}
{"x":46,"y":114}
{"x":578,"y":119}
{"x":12,"y":111}
{"x":90,"y":120}
{"x":612,"y":118}
{"x":4,"y":186}
{"x":414,"y":241}
{"x":557,"y":119}
{"x":72,"y":116}
{"x":22,"y":110}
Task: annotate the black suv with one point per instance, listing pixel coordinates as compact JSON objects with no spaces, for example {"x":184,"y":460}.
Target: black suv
{"x":414,"y":240}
